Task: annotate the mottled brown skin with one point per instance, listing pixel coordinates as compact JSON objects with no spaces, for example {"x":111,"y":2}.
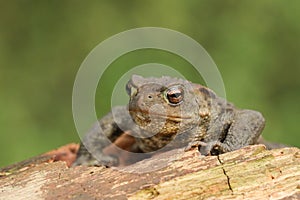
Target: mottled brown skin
{"x":168,"y":113}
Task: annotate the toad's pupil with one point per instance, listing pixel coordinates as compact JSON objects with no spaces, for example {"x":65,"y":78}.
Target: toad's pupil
{"x":175,"y":95}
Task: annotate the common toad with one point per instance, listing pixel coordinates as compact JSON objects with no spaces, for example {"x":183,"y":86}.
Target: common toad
{"x":169,"y":113}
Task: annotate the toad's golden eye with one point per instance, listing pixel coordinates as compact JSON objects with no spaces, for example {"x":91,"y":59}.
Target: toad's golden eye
{"x":131,"y":90}
{"x":174,"y":95}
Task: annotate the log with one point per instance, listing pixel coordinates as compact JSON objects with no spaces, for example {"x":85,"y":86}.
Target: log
{"x":248,"y":173}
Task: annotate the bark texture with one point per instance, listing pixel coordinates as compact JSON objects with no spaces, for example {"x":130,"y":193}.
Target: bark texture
{"x":249,"y":173}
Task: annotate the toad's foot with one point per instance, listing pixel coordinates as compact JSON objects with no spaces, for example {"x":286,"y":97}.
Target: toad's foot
{"x":195,"y":144}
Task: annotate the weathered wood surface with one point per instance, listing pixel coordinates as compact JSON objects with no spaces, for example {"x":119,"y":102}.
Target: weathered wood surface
{"x":249,"y":173}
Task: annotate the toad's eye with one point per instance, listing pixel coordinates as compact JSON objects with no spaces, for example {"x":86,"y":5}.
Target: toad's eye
{"x":131,"y":91}
{"x":128,"y":88}
{"x":174,"y":95}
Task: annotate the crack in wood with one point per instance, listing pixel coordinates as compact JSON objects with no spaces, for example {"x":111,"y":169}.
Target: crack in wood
{"x":224,"y":172}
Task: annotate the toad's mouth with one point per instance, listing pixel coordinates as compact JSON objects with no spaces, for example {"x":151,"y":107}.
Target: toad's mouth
{"x":145,"y":115}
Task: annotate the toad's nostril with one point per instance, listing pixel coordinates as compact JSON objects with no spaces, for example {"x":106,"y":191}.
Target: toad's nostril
{"x":149,"y":97}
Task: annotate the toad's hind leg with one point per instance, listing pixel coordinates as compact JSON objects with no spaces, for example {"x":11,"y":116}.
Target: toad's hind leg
{"x":244,"y":130}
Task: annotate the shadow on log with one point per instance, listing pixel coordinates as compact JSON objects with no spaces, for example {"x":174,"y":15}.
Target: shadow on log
{"x":249,"y":173}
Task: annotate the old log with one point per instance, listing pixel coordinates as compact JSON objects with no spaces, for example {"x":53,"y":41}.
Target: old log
{"x":249,"y":173}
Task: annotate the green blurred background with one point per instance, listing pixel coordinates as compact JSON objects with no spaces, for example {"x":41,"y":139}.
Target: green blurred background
{"x":255,"y":45}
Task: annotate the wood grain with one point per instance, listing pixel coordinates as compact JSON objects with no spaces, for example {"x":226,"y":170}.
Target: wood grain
{"x":249,"y":173}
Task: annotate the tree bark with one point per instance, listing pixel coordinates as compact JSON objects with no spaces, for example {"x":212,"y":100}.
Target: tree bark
{"x":249,"y":173}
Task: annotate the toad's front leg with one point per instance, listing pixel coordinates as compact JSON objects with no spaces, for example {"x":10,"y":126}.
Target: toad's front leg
{"x":244,"y":129}
{"x":103,"y":134}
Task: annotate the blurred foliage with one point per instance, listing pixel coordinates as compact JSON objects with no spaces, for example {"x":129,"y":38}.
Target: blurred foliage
{"x":255,"y":45}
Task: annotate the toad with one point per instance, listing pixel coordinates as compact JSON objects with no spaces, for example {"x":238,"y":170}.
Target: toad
{"x":166,"y":113}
